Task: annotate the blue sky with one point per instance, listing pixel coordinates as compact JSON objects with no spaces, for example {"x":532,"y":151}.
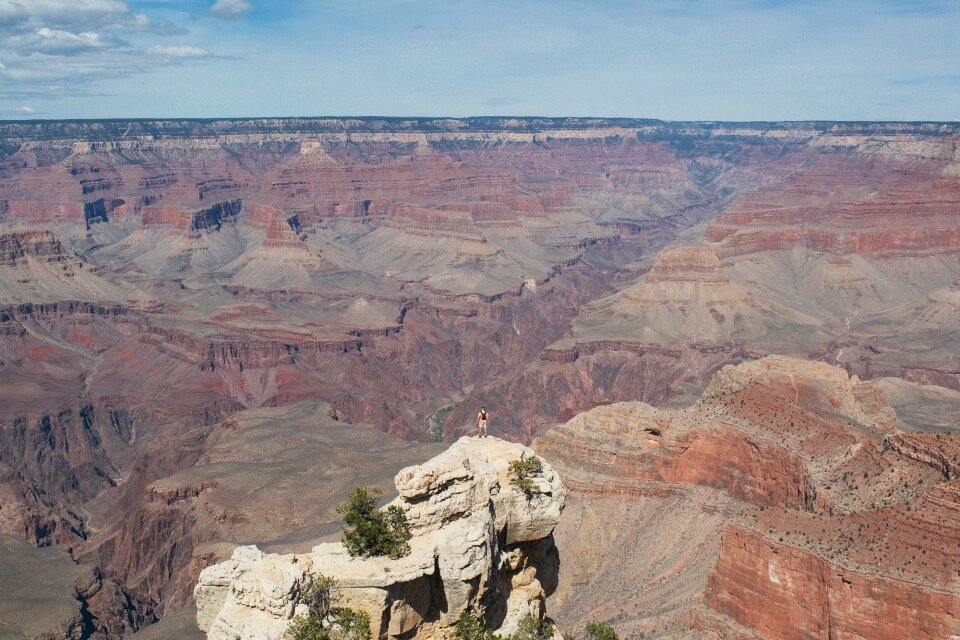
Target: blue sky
{"x":670,"y":59}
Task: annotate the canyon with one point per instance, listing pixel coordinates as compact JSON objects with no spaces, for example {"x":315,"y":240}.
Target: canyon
{"x":210,"y":330}
{"x":784,"y":503}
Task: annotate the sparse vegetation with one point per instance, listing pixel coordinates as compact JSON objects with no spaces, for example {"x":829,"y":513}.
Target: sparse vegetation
{"x":470,"y":627}
{"x":349,"y":624}
{"x":601,"y":631}
{"x":323,"y":622}
{"x":522,"y":473}
{"x":530,"y":628}
{"x":307,"y":628}
{"x":316,"y":594}
{"x":434,"y":423}
{"x":371,"y":531}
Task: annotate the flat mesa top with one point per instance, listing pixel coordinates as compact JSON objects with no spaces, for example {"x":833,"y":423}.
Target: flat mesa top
{"x":119,"y":129}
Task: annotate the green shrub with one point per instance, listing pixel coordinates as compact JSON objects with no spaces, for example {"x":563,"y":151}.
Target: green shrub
{"x":372,"y":531}
{"x":470,"y":627}
{"x":434,"y":423}
{"x":349,"y":624}
{"x":601,"y":631}
{"x":343,"y":623}
{"x":521,"y":474}
{"x":529,"y":628}
{"x":315,"y":593}
{"x":307,"y":628}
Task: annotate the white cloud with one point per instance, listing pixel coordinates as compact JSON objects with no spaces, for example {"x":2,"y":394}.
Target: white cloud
{"x":24,"y":111}
{"x":59,"y":42}
{"x":179,"y":52}
{"x":66,"y":47}
{"x":72,"y":15}
{"x":230,"y":9}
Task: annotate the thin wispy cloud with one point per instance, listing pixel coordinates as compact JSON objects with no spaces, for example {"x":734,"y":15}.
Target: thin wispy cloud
{"x":79,"y":15}
{"x":61,"y":42}
{"x":55,"y":48}
{"x":230,"y":9}
{"x":179,"y":52}
{"x":22,"y":112}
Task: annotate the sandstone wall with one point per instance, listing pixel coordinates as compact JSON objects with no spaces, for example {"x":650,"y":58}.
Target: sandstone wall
{"x":788,"y":594}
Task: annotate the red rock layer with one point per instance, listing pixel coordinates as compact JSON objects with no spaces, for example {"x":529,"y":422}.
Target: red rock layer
{"x":456,"y":187}
{"x":820,"y":522}
{"x":752,"y":470}
{"x":38,"y":244}
{"x":687,"y":264}
{"x":787,"y":593}
{"x":835,"y":205}
{"x":44,"y":212}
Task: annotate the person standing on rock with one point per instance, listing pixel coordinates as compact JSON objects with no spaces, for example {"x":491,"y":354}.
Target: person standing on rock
{"x":482,"y":421}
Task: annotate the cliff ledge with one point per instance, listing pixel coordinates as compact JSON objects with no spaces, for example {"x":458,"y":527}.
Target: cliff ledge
{"x":477,"y":543}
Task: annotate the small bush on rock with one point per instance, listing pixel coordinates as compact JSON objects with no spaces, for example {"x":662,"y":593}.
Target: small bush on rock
{"x":529,"y":628}
{"x":324,"y":622}
{"x":470,"y":627}
{"x":521,"y":474}
{"x":315,"y":593}
{"x":372,"y":531}
{"x":307,"y":628}
{"x":349,"y":624}
{"x":601,"y":631}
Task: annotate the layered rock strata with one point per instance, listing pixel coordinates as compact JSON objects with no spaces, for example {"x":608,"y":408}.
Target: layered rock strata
{"x":784,"y":504}
{"x":171,"y":274}
{"x":851,"y":258}
{"x":478,"y":543}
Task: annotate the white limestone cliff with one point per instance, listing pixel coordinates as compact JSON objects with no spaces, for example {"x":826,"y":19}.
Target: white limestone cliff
{"x":477,"y":543}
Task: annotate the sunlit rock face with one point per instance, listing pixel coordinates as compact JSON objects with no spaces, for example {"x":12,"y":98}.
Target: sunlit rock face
{"x":478,"y":543}
{"x":784,"y":503}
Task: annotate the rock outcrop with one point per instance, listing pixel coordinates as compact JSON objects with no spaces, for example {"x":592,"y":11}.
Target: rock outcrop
{"x":783,"y":504}
{"x":478,"y":543}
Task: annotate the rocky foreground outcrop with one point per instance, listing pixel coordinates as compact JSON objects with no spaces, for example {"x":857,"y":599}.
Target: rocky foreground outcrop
{"x":478,"y":543}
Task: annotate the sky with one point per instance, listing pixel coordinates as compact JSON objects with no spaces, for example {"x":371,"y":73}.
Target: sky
{"x":668,"y":59}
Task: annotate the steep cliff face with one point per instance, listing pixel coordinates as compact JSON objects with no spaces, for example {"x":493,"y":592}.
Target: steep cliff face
{"x":478,"y":543}
{"x":783,"y":504}
{"x":785,"y":593}
{"x":51,"y":465}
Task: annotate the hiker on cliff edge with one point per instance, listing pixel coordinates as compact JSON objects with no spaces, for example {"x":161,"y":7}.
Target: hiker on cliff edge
{"x":482,"y":421}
